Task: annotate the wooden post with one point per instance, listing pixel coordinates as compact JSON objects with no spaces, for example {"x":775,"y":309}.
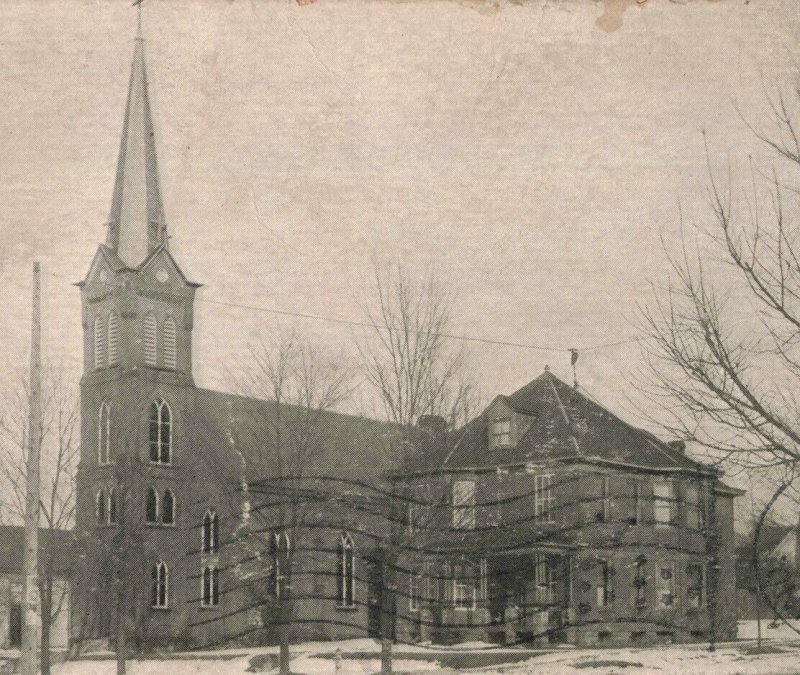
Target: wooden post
{"x":29,"y":662}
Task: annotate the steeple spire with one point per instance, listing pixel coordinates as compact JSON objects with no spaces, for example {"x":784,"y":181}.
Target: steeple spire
{"x":136,"y":223}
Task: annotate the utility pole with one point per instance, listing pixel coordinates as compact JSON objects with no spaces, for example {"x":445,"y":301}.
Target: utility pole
{"x":29,"y":662}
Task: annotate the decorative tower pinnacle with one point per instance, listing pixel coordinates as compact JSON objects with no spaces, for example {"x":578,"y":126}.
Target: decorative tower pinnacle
{"x":136,"y":224}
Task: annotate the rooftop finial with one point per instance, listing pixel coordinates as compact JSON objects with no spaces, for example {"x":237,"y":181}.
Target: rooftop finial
{"x":138,"y":5}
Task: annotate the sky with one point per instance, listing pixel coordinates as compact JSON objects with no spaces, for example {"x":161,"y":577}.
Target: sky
{"x":532,"y":155}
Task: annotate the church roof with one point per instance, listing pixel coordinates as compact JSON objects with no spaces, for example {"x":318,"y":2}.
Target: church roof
{"x":344,"y":446}
{"x":12,"y":546}
{"x":561,"y":422}
{"x":136,"y":222}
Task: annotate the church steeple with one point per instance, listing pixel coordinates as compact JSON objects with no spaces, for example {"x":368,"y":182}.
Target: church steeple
{"x":136,"y":223}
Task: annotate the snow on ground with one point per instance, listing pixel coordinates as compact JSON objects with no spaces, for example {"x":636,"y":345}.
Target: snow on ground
{"x":361,"y":657}
{"x":748,"y":630}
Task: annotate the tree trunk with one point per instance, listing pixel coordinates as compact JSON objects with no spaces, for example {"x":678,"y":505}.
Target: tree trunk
{"x":121,"y":638}
{"x":284,"y":657}
{"x":386,"y":617}
{"x":47,"y":614}
{"x":386,"y":656}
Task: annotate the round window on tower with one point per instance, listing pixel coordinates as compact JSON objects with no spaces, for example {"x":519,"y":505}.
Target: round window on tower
{"x":162,"y":276}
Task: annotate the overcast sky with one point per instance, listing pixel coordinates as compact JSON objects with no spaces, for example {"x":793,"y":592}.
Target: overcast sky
{"x":528,"y":154}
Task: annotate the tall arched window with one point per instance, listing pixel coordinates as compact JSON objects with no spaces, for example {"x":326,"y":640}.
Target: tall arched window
{"x":210,"y":595}
{"x":151,"y":506}
{"x":113,"y":339}
{"x":279,"y":553}
{"x":346,"y":572}
{"x":100,"y":507}
{"x":104,"y":434}
{"x":168,"y":508}
{"x":149,"y":337}
{"x":112,"y":506}
{"x":160,"y":432}
{"x":99,"y":342}
{"x":160,"y":591}
{"x":168,"y":345}
{"x":210,"y":534}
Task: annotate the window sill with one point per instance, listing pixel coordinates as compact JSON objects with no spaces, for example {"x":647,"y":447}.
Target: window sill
{"x":209,"y":608}
{"x":158,"y":608}
{"x":161,"y":526}
{"x":164,"y":464}
{"x":464,"y":609}
{"x":346,"y":608}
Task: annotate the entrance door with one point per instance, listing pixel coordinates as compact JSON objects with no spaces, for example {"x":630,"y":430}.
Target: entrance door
{"x":15,"y":626}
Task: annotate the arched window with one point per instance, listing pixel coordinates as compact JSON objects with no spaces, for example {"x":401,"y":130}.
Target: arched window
{"x":210,"y":596}
{"x":346,"y":572}
{"x":112,"y":506}
{"x":160,"y":432}
{"x":279,"y":553}
{"x":100,"y":507}
{"x":113,"y":339}
{"x":151,"y":507}
{"x":104,"y":434}
{"x":149,"y":337}
{"x":160,"y":591}
{"x":99,"y":342}
{"x":170,"y":353}
{"x":210,"y":533}
{"x":168,"y":508}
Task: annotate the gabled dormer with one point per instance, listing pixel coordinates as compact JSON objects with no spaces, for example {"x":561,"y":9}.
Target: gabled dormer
{"x":506,"y":423}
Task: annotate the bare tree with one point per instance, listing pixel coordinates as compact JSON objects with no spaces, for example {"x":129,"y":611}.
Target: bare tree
{"x":416,"y":371}
{"x":60,"y":452}
{"x":722,"y":358}
{"x":298,"y":385}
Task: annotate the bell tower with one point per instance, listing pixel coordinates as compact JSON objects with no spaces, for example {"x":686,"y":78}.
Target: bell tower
{"x":137,"y":389}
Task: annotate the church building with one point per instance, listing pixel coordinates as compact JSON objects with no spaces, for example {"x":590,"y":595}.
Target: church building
{"x":557,"y":522}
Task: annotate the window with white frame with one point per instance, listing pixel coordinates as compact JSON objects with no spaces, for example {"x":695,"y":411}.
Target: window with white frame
{"x":544,"y":578}
{"x":99,"y":342}
{"x":605,"y":504}
{"x":464,"y":586}
{"x":149,"y":339}
{"x":346,"y":578}
{"x":279,"y":554}
{"x":663,"y":500}
{"x":104,"y":433}
{"x":501,"y":432}
{"x":543,"y":498}
{"x":210,"y":590}
{"x":159,"y":596}
{"x":665,"y":585}
{"x":210,"y":536}
{"x":113,"y":339}
{"x":170,"y":353}
{"x":464,"y":504}
{"x":691,"y":498}
{"x":112,"y":506}
{"x":638,"y":505}
{"x":160,"y":432}
{"x":605,"y":589}
{"x":415,"y":584}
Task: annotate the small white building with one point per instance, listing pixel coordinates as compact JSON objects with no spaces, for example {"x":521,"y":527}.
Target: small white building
{"x":55,"y":543}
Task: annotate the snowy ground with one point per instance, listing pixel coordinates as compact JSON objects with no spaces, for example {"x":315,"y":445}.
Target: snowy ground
{"x":361,"y":657}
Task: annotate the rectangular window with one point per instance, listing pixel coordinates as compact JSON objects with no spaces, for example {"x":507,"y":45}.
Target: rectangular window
{"x":414,"y":592}
{"x":640,"y":582}
{"x":605,"y":589}
{"x":501,"y":433}
{"x":543,"y":498}
{"x":544,"y":579}
{"x":417,"y":505}
{"x":695,"y":585}
{"x":464,"y":504}
{"x":605,"y":506}
{"x":692,"y":501}
{"x":663,"y":500}
{"x":665,"y":585}
{"x":464,"y":587}
{"x":638,"y":489}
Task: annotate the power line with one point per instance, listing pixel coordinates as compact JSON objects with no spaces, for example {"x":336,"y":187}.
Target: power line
{"x":449,"y":336}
